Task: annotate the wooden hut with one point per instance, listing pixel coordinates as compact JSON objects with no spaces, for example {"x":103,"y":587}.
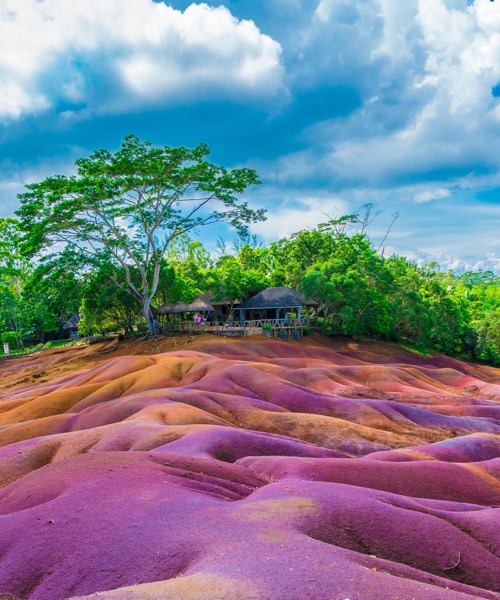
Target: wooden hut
{"x":197,"y":306}
{"x":173,"y":309}
{"x":71,"y":326}
{"x":200,"y":306}
{"x":221,"y":308}
{"x":273,"y":303}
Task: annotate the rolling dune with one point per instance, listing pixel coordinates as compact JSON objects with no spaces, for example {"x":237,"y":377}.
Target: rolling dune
{"x":250,"y":470}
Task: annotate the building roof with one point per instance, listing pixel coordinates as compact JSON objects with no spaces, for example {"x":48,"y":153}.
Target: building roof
{"x":164,"y":309}
{"x":181,"y":307}
{"x":72,"y":323}
{"x":210,"y":298}
{"x":275,"y":297}
{"x":200,"y":305}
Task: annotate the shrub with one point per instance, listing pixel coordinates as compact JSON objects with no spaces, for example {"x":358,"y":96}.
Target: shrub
{"x":11,"y":338}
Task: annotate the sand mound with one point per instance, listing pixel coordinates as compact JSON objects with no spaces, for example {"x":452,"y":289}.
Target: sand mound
{"x":251,"y":470}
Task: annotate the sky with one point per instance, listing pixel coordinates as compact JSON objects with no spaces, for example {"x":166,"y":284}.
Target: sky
{"x":335,"y":103}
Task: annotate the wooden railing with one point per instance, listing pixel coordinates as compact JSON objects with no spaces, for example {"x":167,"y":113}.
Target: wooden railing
{"x":236,"y":327}
{"x":275,"y":323}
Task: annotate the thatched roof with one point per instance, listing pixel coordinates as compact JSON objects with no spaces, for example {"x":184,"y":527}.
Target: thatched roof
{"x":73,"y":322}
{"x":164,"y":309}
{"x":181,"y":307}
{"x":200,"y":306}
{"x":275,"y":297}
{"x":209,"y":297}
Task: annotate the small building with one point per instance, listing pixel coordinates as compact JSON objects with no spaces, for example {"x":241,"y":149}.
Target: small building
{"x":71,"y":326}
{"x":273,"y":303}
{"x":197,"y":306}
{"x":215,"y":310}
{"x":221,"y":308}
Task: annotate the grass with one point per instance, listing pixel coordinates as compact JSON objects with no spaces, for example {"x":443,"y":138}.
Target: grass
{"x":417,"y":347}
{"x":48,"y":345}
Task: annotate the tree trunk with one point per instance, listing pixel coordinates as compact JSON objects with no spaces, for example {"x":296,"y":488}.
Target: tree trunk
{"x":151,"y":321}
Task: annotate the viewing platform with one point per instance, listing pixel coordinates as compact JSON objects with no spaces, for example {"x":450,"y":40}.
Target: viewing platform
{"x":281,"y":328}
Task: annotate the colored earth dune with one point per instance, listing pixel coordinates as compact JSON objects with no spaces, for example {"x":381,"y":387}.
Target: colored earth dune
{"x":247,"y":469}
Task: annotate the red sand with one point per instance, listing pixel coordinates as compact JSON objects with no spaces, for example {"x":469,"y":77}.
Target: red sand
{"x":249,"y":469}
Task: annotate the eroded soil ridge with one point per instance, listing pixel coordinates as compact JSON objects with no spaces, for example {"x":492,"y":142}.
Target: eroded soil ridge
{"x":253,"y":470}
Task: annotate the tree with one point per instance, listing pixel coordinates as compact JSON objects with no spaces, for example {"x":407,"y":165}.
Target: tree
{"x":13,"y":266}
{"x":14,"y":269}
{"x":411,"y":313}
{"x":128,"y":207}
{"x":351,"y":288}
{"x":230,"y":281}
{"x":51,"y":294}
{"x":105,"y":307}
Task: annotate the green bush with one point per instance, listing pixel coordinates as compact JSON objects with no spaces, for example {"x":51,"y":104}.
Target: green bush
{"x":11,"y":338}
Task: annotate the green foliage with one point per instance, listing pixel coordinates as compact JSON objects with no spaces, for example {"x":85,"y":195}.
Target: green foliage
{"x":351,"y":288}
{"x":11,"y":338}
{"x":123,"y":224}
{"x":105,"y":306}
{"x":127,"y":208}
{"x":9,"y":308}
{"x":230,"y":281}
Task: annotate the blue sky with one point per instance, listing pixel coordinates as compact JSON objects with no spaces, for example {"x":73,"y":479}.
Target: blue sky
{"x":336,"y":103}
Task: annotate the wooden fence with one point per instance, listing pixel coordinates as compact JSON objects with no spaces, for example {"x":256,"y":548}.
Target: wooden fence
{"x":235,"y":328}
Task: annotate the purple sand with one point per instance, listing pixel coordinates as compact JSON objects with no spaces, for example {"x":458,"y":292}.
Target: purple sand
{"x":248,"y":472}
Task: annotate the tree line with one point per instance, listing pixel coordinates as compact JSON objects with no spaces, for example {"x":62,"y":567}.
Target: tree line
{"x":115,"y":242}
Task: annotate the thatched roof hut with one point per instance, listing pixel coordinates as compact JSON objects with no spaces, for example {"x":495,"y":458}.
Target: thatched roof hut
{"x":273,"y":303}
{"x":165,"y":309}
{"x":71,"y":326}
{"x":276,"y":297}
{"x":200,"y":305}
{"x":210,"y":298}
{"x":181,"y":307}
{"x":72,"y":323}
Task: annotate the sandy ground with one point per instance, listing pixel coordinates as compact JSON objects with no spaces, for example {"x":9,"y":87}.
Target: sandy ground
{"x":53,"y":364}
{"x":207,"y":468}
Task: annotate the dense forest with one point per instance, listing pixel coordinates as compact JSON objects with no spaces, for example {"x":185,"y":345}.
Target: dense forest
{"x":115,"y":241}
{"x":358,"y":291}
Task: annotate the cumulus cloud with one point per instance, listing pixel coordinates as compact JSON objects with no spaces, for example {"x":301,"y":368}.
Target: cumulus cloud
{"x":14,"y":176}
{"x":112,"y":55}
{"x":384,"y":101}
{"x":451,"y":262}
{"x":425,"y":72}
{"x":432,"y":194}
{"x":302,"y":212}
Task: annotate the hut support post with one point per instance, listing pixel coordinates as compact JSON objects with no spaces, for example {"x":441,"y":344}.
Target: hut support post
{"x":298,"y":314}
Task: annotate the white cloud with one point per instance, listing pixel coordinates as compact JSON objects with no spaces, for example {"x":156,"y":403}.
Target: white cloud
{"x":425,"y":72}
{"x":451,"y":262}
{"x":14,"y":177}
{"x":302,"y":212}
{"x":111,"y":55}
{"x":432,"y":194}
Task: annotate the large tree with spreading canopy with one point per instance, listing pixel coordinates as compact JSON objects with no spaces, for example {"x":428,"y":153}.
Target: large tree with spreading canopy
{"x":127,"y":208}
